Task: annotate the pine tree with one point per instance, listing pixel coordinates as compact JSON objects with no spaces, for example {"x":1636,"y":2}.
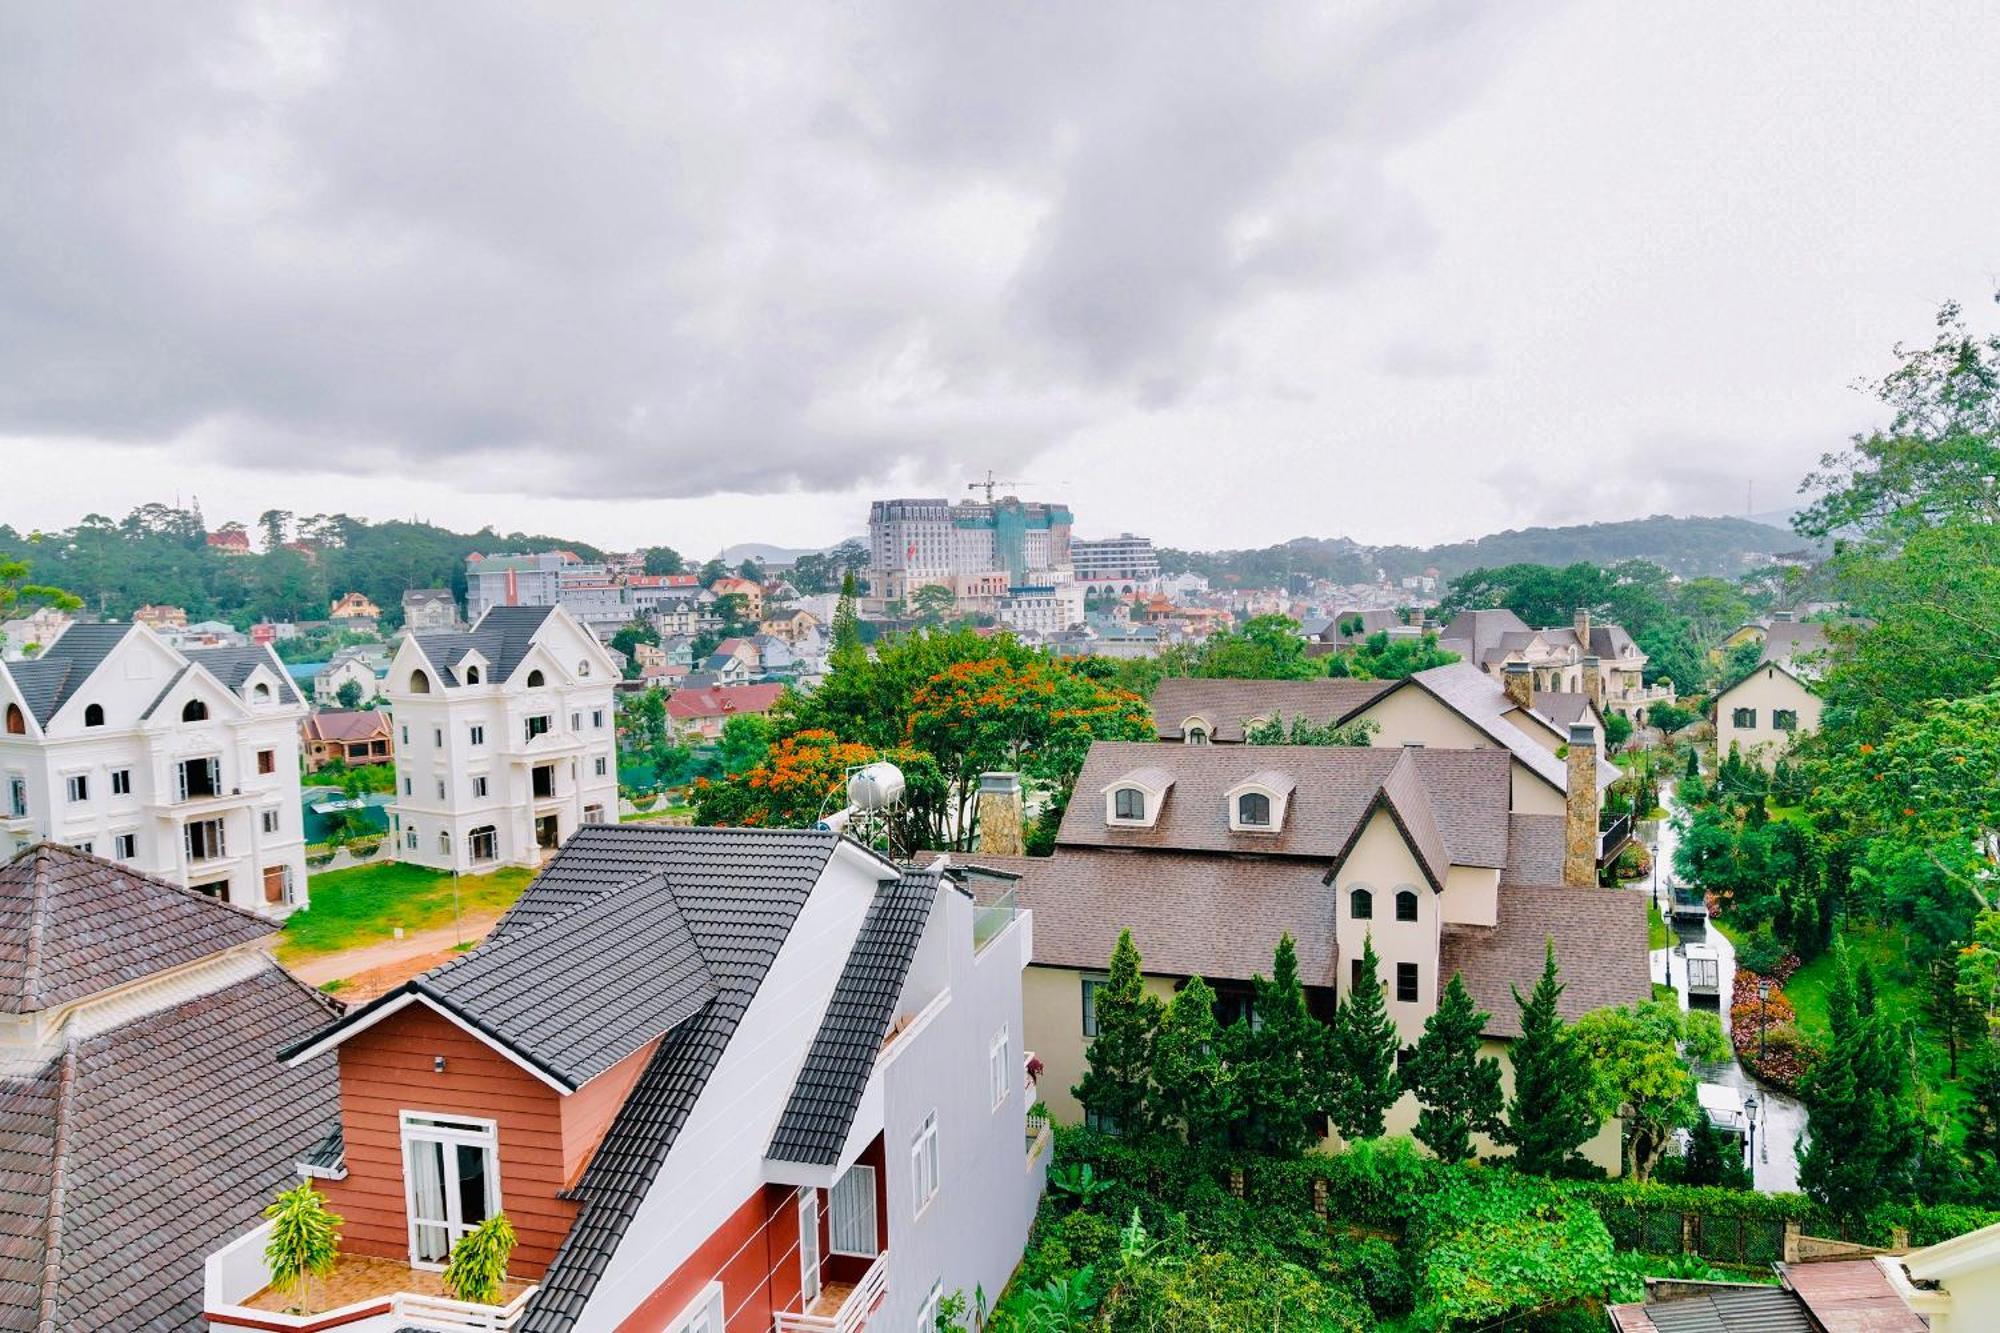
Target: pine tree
{"x":1693,"y":763}
{"x":1195,"y":1089}
{"x":1982,"y":1129}
{"x":1862,"y":1135}
{"x":1457,"y":1088}
{"x":1277,"y":1061}
{"x":1365,"y":1043}
{"x":846,"y":623}
{"x":1116,"y":1089}
{"x":1551,"y":1115}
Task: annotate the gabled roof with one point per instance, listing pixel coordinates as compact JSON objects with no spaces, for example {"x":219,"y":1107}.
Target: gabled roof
{"x":722,"y":700}
{"x":1600,"y":939}
{"x":47,"y":682}
{"x":821,"y":1109}
{"x":1227,"y":704}
{"x":72,"y":925}
{"x":1406,"y":797}
{"x":356,"y":724}
{"x":232,"y":666}
{"x":502,"y":636}
{"x":1482,"y":701}
{"x":1727,"y":1309}
{"x":570,"y":996}
{"x":1483,"y":632}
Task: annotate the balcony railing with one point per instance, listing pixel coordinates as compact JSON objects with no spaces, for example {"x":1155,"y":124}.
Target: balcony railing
{"x":853,"y":1309}
{"x":991,"y":915}
{"x":1613,"y":832}
{"x":362,"y":1291}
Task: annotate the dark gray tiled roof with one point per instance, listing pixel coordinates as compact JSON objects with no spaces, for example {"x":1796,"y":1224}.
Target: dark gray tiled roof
{"x":232,"y":666}
{"x":1228,"y":704}
{"x":72,"y":924}
{"x":1732,"y":1310}
{"x":167,"y":689}
{"x":1600,"y":939}
{"x":171,"y":1133}
{"x":740,"y":890}
{"x":821,"y":1109}
{"x":579,"y":990}
{"x":47,"y":682}
{"x":1482,"y":631}
{"x":502,"y":636}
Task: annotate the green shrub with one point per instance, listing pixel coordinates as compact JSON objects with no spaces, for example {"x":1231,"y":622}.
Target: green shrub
{"x":1195,"y":1293}
{"x":1493,"y":1244}
{"x":1761,"y":951}
{"x":1373,"y":1267}
{"x":476,"y":1270}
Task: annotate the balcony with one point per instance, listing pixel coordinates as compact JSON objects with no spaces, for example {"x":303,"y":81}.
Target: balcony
{"x":992,"y":913}
{"x":1613,"y":832}
{"x":364,"y":1295}
{"x":841,"y":1308}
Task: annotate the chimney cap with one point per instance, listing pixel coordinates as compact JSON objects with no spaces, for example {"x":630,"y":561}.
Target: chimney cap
{"x":1592,"y":660}
{"x":1005,"y":783}
{"x":1517,"y":668}
{"x":1582,"y":733}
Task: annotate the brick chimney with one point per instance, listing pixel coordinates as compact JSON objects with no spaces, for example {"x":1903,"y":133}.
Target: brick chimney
{"x":1583,"y":628}
{"x":1518,"y":680}
{"x":1580,"y":809}
{"x":1593,"y":681}
{"x":1001,"y":815}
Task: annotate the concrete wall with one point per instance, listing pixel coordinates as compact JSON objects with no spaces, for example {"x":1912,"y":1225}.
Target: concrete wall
{"x":1767,"y":689}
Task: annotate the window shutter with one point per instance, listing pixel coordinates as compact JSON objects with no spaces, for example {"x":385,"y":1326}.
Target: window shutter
{"x":181,"y":780}
{"x":214,"y":776}
{"x":187,"y":840}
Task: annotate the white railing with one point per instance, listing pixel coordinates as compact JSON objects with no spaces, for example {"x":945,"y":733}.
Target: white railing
{"x":860,"y":1303}
{"x":440,"y":1312}
{"x":238,"y":1271}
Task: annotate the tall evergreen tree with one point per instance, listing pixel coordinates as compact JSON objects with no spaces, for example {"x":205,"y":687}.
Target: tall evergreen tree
{"x":1551,"y":1114}
{"x":1982,"y":1128}
{"x":1117,"y":1087}
{"x":1195,"y":1090}
{"x":1457,"y":1088}
{"x":1365,"y":1042}
{"x":1276,"y":1060}
{"x":1862,"y":1135}
{"x":846,"y":622}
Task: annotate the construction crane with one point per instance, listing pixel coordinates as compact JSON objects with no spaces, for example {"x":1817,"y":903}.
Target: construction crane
{"x":991,"y":484}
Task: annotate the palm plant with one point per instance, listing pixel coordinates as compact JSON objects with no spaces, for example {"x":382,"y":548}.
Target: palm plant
{"x":304,"y":1244}
{"x":477,"y":1268}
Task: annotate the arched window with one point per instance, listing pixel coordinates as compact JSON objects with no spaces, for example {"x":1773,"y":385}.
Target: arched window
{"x":17,"y":722}
{"x":420,"y":683}
{"x":194,"y":711}
{"x":582,"y":669}
{"x":261,"y":692}
{"x":535,"y":681}
{"x":472,"y":675}
{"x":1197,"y":736}
{"x":1253,"y":808}
{"x":1361,"y":905}
{"x":1128,"y":803}
{"x":93,"y":716}
{"x":444,"y":844}
{"x":1406,"y":905}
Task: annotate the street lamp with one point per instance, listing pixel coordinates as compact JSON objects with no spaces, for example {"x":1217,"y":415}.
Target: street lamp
{"x":1763,"y":997}
{"x":1750,"y":1110}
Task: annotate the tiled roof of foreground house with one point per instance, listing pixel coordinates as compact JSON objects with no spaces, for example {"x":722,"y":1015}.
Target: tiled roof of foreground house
{"x":139,"y":1094}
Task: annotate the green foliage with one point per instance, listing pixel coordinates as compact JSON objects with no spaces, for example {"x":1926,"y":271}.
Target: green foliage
{"x":1365,"y":1043}
{"x":1671,"y":717}
{"x":746,"y":739}
{"x":664,"y":560}
{"x":304,"y":1243}
{"x":1713,"y":1158}
{"x":1266,"y":648}
{"x":1862,"y":1133}
{"x":1194,"y":1291}
{"x":1304,"y":731}
{"x":1552,"y":1113}
{"x":1642,"y":1075}
{"x":1382,"y":657}
{"x":1117,"y":1087}
{"x":933,"y":604}
{"x":349,"y":695}
{"x":1196,"y":1089}
{"x":476,"y":1269}
{"x":1491,"y":1245}
{"x":1457,"y":1088}
{"x":1617,"y":729}
{"x":1278,"y":1064}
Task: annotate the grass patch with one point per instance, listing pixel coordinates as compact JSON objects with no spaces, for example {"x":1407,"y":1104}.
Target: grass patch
{"x":1657,"y":934}
{"x":364,"y":905}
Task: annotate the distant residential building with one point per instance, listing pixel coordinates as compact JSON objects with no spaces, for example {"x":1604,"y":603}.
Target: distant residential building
{"x":791,"y":624}
{"x":430,"y":610}
{"x":147,"y":1123}
{"x":1124,"y":563}
{"x":1042,"y":611}
{"x":505,"y":740}
{"x":160,"y":617}
{"x":1009,"y":542}
{"x":752,"y":594}
{"x":530,"y":579}
{"x":353,"y":611}
{"x":364,"y":666}
{"x":181,"y":764}
{"x":1762,"y":714}
{"x":26,"y":636}
{"x":230,"y":541}
{"x":702,"y":712}
{"x":354,"y":736}
{"x":1598,"y":660}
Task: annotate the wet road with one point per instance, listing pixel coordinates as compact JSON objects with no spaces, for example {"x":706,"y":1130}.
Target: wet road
{"x":1781,"y":1120}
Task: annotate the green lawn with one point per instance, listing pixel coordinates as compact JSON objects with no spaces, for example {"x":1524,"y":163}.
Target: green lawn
{"x":1657,"y":934}
{"x":365,"y":904}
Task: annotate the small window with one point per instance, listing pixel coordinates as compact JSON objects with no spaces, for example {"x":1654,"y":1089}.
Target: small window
{"x":78,"y":787}
{"x":1406,"y":982}
{"x":538,"y":725}
{"x":408,"y":788}
{"x":1361,"y":905}
{"x":261,"y":692}
{"x":270,"y":821}
{"x":444,"y":843}
{"x":406,"y":733}
{"x":1253,"y":810}
{"x":472,"y":675}
{"x":924,"y":1164}
{"x":1354,"y":975}
{"x":267,"y":761}
{"x":576,"y":721}
{"x":93,"y":716}
{"x":1128,"y":803}
{"x":437,"y":737}
{"x":999,"y":1077}
{"x":17,"y":795}
{"x":597,"y":719}
{"x":535,"y":681}
{"x":17,"y":721}
{"x":477,"y":735}
{"x":420,"y":683}
{"x":87,"y":848}
{"x":194,"y":711}
{"x":1744,"y":717}
{"x":440,"y":789}
{"x":121,"y":782}
{"x":125,"y":846}
{"x":1091,"y":985}
{"x":479,"y":786}
{"x":484,"y":843}
{"x":1406,"y":905}
{"x":1785,"y":719}
{"x":602,"y":766}
{"x":582,"y":669}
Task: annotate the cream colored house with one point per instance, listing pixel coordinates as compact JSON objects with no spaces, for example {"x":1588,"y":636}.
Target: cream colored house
{"x":1209,"y":854}
{"x":1779,"y":700}
{"x":1960,"y":1279}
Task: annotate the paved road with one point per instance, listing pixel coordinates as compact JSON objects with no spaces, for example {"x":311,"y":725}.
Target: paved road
{"x":1781,"y":1120}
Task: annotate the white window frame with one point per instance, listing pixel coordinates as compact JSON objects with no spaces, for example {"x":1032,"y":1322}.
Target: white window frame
{"x":424,"y":1126}
{"x":809,"y":1255}
{"x":924,"y":1165}
{"x":270,"y":821}
{"x":490,"y":834}
{"x":121,"y":782}
{"x":76,"y":788}
{"x":479,"y":786}
{"x":853,"y":1227}
{"x":602,"y":768}
{"x":17,"y":795}
{"x":999,"y":1079}
{"x":703,"y":1314}
{"x":125,"y":846}
{"x":477,"y":734}
{"x":927,"y":1313}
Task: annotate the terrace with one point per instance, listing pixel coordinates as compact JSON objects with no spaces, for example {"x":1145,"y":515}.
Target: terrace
{"x":364,"y":1295}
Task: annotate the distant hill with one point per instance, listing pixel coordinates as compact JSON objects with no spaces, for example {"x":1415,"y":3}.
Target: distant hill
{"x":763,"y":553}
{"x":1691,"y":547}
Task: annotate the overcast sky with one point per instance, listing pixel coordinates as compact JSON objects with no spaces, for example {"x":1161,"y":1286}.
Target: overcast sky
{"x":1224,"y":274}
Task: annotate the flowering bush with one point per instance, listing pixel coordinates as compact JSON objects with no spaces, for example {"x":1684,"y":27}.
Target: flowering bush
{"x":1766,"y":1034}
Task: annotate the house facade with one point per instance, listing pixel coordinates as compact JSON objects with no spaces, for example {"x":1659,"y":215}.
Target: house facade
{"x":1584,"y":657}
{"x":719,"y":1080}
{"x":430,"y":610}
{"x":702,"y":713}
{"x":505,"y":740}
{"x":1763,"y":713}
{"x":365,"y":666}
{"x":354,"y":737}
{"x":181,"y":764}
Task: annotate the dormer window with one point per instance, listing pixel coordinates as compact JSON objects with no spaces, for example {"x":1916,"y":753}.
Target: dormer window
{"x":261,"y":692}
{"x":1197,"y":736}
{"x":535,"y":681}
{"x":1196,"y":730}
{"x":1257,"y":804}
{"x":1129,"y":803}
{"x":1253,"y":810}
{"x":93,"y":716}
{"x":472,"y":675}
{"x":1134,"y":800}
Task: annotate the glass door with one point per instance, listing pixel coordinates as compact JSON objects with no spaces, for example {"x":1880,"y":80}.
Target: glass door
{"x":808,"y":1248}
{"x":851,"y":1212}
{"x":451,"y":1181}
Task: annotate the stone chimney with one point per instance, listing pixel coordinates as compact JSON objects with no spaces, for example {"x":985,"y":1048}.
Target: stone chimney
{"x":1580,"y":809}
{"x":1593,"y":681}
{"x":1001,"y":815}
{"x":1518,"y":680}
{"x":1583,"y":628}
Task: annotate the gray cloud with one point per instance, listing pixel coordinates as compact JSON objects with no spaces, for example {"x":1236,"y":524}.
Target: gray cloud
{"x":719,"y":248}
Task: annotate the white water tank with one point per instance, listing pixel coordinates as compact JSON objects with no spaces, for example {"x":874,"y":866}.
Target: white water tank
{"x":876,"y":787}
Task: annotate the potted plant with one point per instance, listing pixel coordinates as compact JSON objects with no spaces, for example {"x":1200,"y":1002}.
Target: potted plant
{"x":304,"y":1244}
{"x":477,"y":1268}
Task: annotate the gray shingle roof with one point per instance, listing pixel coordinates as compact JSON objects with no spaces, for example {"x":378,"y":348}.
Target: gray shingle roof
{"x":821,"y":1108}
{"x":172,"y":1132}
{"x":72,"y":924}
{"x":739,"y":890}
{"x":1733,"y":1310}
{"x":579,"y":990}
{"x":502,"y":636}
{"x":1482,"y":701}
{"x":232,"y":666}
{"x":47,"y":682}
{"x":1483,"y":631}
{"x":1600,"y":939}
{"x":1228,"y":704}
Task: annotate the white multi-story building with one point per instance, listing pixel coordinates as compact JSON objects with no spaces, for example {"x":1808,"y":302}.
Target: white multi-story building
{"x":1043,"y":610}
{"x":914,"y":543}
{"x":180,"y":764}
{"x":1124,"y":563}
{"x":505,"y":739}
